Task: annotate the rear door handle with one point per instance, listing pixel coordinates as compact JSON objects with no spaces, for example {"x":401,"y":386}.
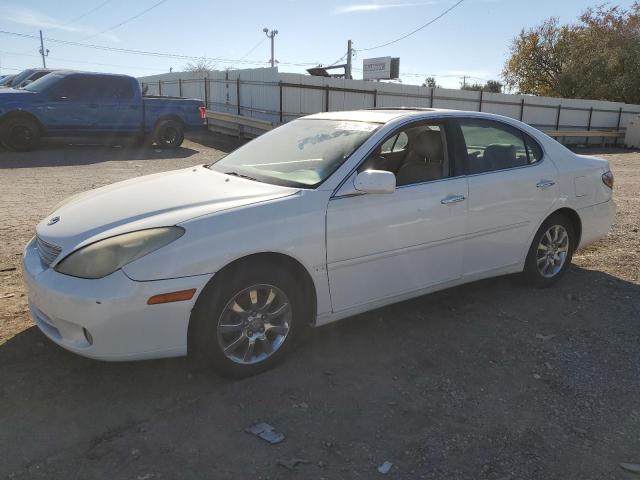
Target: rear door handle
{"x":93,"y":105}
{"x":452,"y":199}
{"x":545,"y":184}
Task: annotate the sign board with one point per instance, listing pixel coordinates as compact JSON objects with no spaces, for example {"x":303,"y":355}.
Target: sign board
{"x":381,"y":68}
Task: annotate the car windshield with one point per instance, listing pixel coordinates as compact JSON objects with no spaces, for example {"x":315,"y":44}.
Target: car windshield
{"x":43,"y":83}
{"x":19,"y":78}
{"x":6,"y":80}
{"x":302,"y":153}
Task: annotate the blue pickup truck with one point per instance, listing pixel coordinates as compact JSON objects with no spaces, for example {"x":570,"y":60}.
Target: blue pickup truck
{"x":66,"y":103}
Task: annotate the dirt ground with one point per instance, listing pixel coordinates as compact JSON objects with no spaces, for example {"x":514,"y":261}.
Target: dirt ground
{"x":486,"y":381}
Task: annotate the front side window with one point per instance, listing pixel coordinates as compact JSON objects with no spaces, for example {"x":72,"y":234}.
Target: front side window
{"x":396,"y":143}
{"x":302,"y":153}
{"x":496,"y":146}
{"x":415,"y":154}
{"x":74,"y":87}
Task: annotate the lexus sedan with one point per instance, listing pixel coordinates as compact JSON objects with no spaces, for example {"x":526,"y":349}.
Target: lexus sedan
{"x":322,"y":218}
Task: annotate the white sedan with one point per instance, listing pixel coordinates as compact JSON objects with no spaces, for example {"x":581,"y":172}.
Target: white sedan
{"x":322,"y":218}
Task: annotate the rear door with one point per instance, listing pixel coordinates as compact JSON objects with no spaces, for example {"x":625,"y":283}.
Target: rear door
{"x":384,"y":245}
{"x":120,"y":108}
{"x":512,"y":188}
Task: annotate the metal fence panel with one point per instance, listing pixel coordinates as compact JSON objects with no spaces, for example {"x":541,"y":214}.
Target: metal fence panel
{"x":266,"y":94}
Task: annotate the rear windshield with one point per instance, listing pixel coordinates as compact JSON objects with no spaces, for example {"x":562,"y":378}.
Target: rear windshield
{"x":302,"y":153}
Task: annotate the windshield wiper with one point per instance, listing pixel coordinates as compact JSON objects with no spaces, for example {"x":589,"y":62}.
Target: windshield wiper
{"x":241,"y":175}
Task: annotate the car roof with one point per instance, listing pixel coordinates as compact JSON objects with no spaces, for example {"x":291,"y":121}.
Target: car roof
{"x":386,"y":115}
{"x":376,"y":115}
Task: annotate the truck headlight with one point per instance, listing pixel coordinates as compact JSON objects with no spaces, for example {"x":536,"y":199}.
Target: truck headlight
{"x":106,"y":256}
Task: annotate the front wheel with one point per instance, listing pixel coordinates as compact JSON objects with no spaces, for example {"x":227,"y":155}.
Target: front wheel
{"x":247,"y":320}
{"x":169,"y":134}
{"x":20,"y":134}
{"x":550,"y":252}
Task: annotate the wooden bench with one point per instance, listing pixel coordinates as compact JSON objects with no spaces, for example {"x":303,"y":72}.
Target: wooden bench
{"x":603,"y":134}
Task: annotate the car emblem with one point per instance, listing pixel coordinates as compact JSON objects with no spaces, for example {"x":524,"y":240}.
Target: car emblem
{"x":53,"y":220}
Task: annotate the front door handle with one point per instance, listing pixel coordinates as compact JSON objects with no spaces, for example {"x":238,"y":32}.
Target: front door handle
{"x":545,"y":184}
{"x":452,"y":199}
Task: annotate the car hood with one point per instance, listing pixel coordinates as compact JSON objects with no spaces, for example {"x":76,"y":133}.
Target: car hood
{"x":150,"y":201}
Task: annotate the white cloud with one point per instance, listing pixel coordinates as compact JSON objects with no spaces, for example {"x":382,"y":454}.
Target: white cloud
{"x":25,"y":16}
{"x":374,"y":7}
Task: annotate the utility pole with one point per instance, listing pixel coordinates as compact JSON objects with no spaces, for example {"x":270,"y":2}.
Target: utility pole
{"x":271,"y":35}
{"x":464,"y":81}
{"x":349,"y":55}
{"x":43,"y":52}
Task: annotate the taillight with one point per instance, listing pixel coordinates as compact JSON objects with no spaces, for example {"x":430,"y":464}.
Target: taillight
{"x":607,"y":179}
{"x":203,"y":112}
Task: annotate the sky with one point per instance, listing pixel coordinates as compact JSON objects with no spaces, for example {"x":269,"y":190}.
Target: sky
{"x":472,"y":39}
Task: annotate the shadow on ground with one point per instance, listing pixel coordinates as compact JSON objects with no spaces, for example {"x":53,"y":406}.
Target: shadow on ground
{"x":489,"y":380}
{"x":54,"y":152}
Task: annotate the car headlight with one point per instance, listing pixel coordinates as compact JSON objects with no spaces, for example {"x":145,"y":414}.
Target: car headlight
{"x":106,"y":256}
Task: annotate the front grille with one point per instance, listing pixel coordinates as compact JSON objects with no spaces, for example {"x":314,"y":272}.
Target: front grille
{"x":48,"y":252}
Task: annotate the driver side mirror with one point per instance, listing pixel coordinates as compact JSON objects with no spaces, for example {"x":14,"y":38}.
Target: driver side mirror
{"x":375,"y":181}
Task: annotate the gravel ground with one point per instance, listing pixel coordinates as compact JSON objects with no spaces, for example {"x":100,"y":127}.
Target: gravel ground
{"x":486,"y":381}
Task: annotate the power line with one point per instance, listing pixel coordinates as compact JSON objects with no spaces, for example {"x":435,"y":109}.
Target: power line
{"x":152,"y":53}
{"x":68,"y":60}
{"x":118,"y":25}
{"x":416,"y":30}
{"x":86,"y":14}
{"x":253,"y":48}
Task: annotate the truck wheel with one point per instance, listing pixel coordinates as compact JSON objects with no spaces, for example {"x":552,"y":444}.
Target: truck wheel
{"x":169,"y":134}
{"x":20,"y":134}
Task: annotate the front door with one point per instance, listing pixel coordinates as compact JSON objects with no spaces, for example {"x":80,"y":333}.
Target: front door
{"x":71,"y":107}
{"x":384,"y":245}
{"x":511,"y":190}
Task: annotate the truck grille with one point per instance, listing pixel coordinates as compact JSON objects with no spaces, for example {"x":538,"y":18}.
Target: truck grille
{"x":48,"y":253}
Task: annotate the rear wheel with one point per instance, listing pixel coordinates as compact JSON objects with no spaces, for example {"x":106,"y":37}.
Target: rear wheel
{"x":20,"y":134}
{"x":247,"y":320}
{"x":169,"y":134}
{"x":550,"y":252}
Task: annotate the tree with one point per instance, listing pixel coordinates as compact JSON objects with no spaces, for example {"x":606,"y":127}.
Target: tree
{"x":596,"y":58}
{"x":201,"y":65}
{"x":430,"y":82}
{"x":493,"y":86}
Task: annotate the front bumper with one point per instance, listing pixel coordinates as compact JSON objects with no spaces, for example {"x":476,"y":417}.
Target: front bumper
{"x":108,"y":318}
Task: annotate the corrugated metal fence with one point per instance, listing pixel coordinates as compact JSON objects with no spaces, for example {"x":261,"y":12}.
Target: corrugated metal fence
{"x":277,"y":97}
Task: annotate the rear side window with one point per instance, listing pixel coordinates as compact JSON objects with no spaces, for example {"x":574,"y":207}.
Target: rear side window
{"x":533,"y":149}
{"x":495,"y":146}
{"x":112,"y":88}
{"x":116,"y":88}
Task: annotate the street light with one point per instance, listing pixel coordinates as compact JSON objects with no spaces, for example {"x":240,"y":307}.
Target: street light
{"x":271,"y":35}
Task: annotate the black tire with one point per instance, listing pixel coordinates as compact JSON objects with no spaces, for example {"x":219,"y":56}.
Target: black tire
{"x":532,"y":275}
{"x":169,"y":134}
{"x":204,"y":344}
{"x":20,"y":134}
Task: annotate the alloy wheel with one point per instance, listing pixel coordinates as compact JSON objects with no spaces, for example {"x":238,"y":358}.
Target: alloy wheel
{"x":254,"y":324}
{"x":552,"y":251}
